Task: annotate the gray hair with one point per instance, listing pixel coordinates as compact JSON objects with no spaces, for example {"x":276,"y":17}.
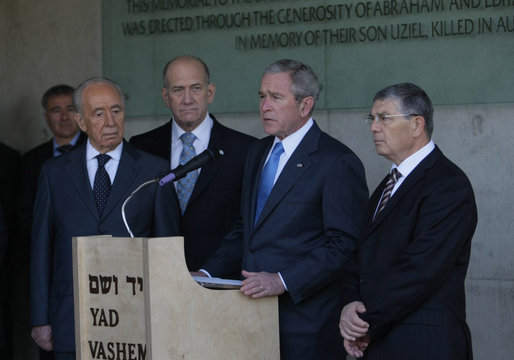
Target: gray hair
{"x":56,"y":90}
{"x":412,"y":100}
{"x":304,"y":81}
{"x":77,"y":94}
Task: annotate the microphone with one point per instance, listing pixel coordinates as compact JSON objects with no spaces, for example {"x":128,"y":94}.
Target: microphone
{"x":178,"y":173}
{"x":195,"y":163}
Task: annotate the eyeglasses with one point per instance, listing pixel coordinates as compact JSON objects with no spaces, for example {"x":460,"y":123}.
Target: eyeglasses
{"x":383,"y":118}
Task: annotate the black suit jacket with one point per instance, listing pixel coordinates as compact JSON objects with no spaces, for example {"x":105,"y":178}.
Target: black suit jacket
{"x":412,"y":265}
{"x":65,"y":207}
{"x":307,"y":231}
{"x":9,"y":177}
{"x":31,"y":163}
{"x":214,"y":204}
{"x":3,"y":288}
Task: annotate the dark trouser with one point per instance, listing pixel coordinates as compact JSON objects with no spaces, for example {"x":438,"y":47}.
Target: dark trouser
{"x":46,"y":355}
{"x":64,"y":356}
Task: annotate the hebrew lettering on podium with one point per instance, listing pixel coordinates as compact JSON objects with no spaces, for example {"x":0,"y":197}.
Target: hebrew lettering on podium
{"x":133,"y":280}
{"x":103,"y":284}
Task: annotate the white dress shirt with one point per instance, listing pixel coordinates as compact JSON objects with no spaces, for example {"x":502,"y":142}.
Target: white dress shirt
{"x":410,"y":163}
{"x":406,"y":167}
{"x":111,"y":166}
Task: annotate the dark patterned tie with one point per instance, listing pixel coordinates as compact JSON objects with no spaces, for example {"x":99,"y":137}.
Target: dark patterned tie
{"x":102,"y":184}
{"x":186,"y":185}
{"x":64,"y":148}
{"x":267,"y":178}
{"x":386,"y":195}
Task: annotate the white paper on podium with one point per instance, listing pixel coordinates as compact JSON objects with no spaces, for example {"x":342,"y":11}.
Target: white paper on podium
{"x":217,"y":283}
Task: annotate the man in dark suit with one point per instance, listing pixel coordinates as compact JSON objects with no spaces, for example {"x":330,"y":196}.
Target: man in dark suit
{"x":9,"y":178}
{"x":412,"y":263}
{"x":58,"y":107}
{"x":10,"y":160}
{"x":81,"y":194}
{"x":3,"y":252}
{"x":59,"y":111}
{"x":296,"y":243}
{"x":213,"y":206}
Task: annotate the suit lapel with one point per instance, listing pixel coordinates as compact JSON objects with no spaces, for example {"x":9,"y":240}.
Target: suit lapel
{"x":299,"y":162}
{"x":416,"y":175}
{"x":163,"y":141}
{"x":76,"y":170}
{"x":255,"y":176}
{"x":375,"y":198}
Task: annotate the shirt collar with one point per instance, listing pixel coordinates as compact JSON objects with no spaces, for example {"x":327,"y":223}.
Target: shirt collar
{"x":202,"y":131}
{"x":72,"y":142}
{"x":291,"y":142}
{"x":407,"y":165}
{"x":91,"y":152}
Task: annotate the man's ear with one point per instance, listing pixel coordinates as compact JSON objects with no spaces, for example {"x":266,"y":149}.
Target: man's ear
{"x":306,"y":106}
{"x":80,"y":121}
{"x":164,"y":94}
{"x":211,"y":90}
{"x":418,"y":125}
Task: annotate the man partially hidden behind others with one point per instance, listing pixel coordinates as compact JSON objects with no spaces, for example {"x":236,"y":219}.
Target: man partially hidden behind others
{"x":209,"y":197}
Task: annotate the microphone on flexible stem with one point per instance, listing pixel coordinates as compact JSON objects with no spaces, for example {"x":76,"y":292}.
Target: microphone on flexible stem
{"x":178,"y":173}
{"x":195,"y":163}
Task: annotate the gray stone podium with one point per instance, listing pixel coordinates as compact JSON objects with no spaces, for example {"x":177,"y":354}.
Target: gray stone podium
{"x":135,"y":299}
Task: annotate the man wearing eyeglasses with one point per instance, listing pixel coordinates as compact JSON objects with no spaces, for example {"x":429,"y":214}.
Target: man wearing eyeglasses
{"x":409,"y":299}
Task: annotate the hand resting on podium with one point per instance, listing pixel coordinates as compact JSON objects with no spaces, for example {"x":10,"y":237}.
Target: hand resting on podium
{"x":255,"y":284}
{"x":261,"y":284}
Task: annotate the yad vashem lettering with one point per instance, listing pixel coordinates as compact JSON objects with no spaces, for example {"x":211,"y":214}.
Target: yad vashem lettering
{"x":116,"y":350}
{"x":105,"y":286}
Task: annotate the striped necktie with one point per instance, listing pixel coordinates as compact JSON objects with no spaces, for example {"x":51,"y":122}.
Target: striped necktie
{"x":186,"y":185}
{"x":386,"y":195}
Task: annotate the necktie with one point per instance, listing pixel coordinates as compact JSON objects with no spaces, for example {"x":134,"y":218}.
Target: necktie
{"x":186,"y":185}
{"x":102,"y":184}
{"x":267,"y":178}
{"x":64,"y":148}
{"x":386,"y":195}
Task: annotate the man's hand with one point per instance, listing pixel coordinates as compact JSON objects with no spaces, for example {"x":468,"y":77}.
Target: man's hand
{"x":350,"y":324}
{"x":356,"y":348}
{"x":262,"y":284}
{"x":42,"y":335}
